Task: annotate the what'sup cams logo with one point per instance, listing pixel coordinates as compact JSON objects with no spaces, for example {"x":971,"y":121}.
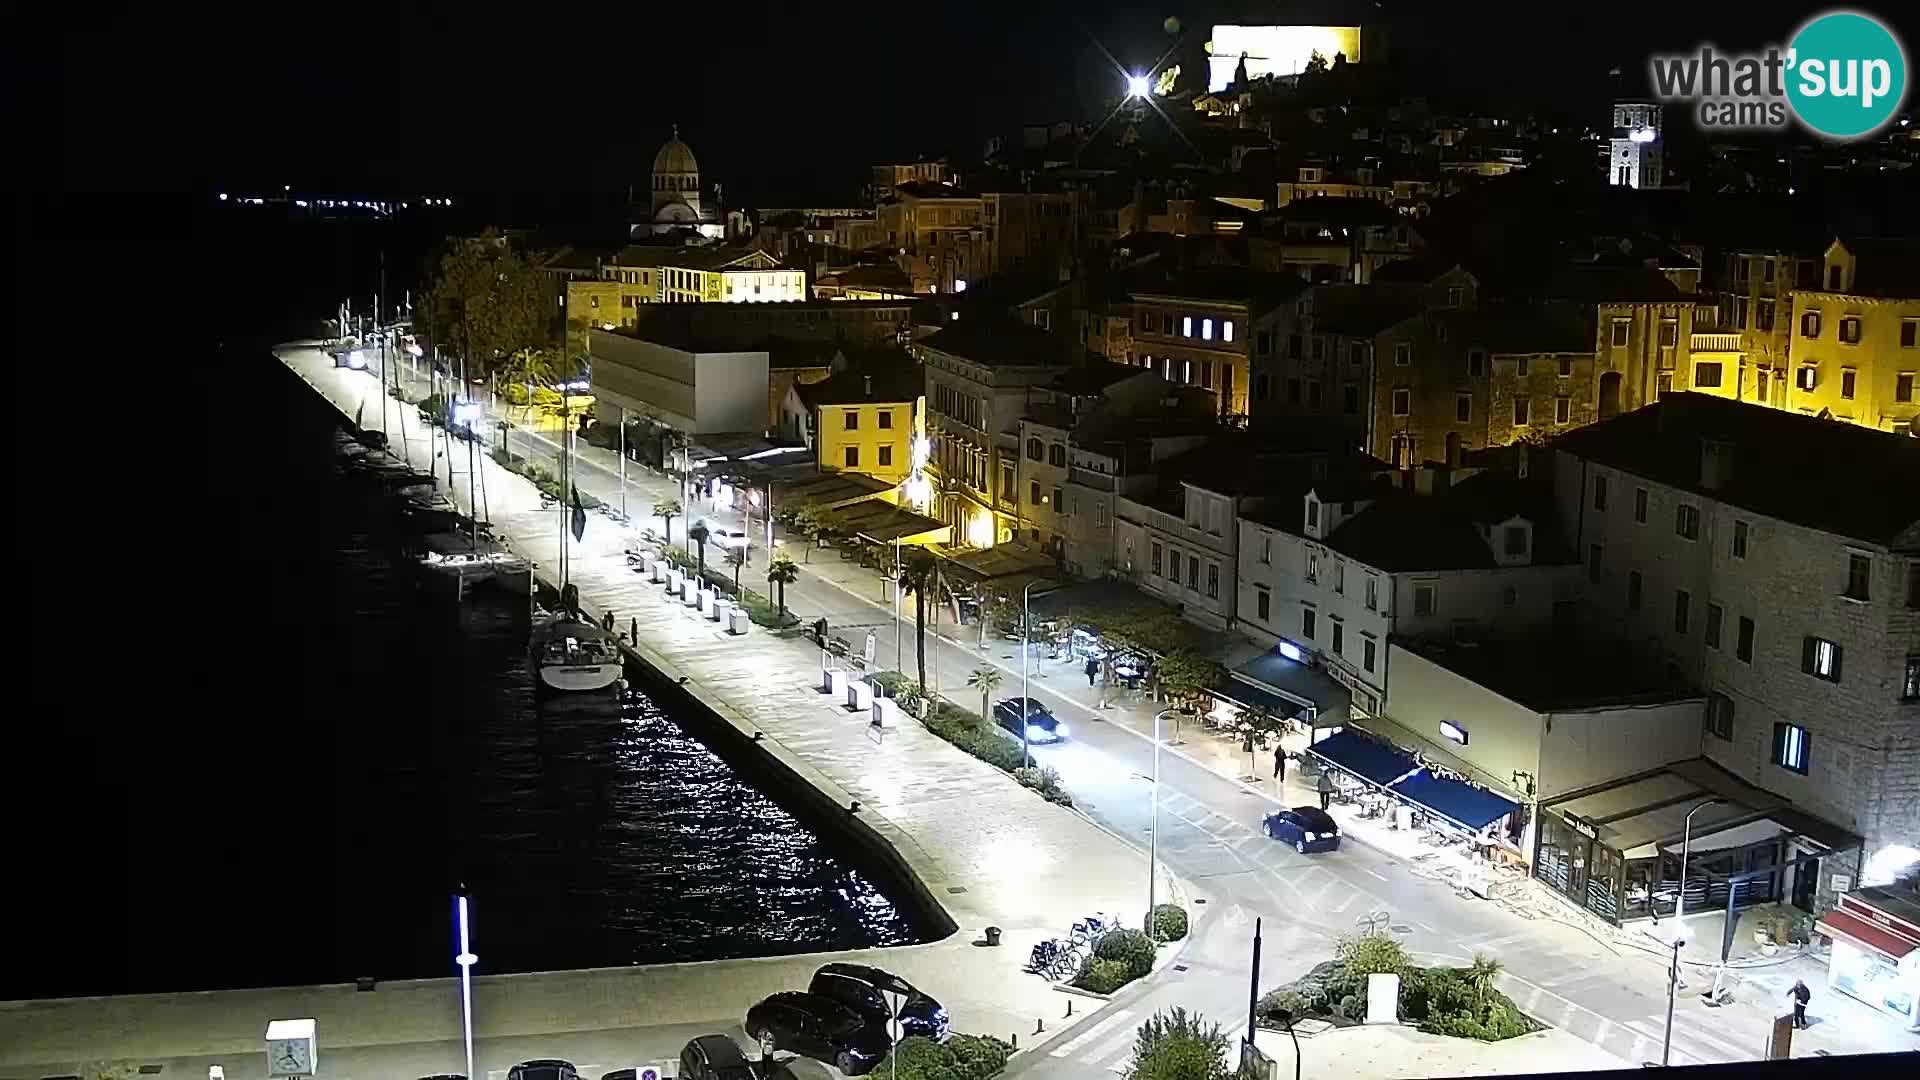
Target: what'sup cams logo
{"x":1843,"y":76}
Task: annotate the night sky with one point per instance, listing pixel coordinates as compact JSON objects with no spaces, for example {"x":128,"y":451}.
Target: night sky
{"x":475,"y":97}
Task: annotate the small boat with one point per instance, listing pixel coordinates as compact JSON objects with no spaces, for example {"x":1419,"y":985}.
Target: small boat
{"x":570,"y":654}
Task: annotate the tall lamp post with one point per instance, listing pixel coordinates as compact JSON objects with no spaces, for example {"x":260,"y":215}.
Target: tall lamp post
{"x":466,"y":959}
{"x":1026,"y":671}
{"x":1679,"y":928}
{"x":1153,"y":827}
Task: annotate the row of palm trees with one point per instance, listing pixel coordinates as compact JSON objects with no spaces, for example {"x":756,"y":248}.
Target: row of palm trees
{"x":781,"y":572}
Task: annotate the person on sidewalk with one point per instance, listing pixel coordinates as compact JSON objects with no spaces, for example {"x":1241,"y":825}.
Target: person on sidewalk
{"x":1093,"y":668}
{"x":1279,"y":763}
{"x":1800,"y":995}
{"x":1326,"y":789}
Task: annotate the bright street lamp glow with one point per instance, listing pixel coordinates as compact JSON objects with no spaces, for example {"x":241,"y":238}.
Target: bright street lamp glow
{"x":1641,"y":135}
{"x":1137,"y":86}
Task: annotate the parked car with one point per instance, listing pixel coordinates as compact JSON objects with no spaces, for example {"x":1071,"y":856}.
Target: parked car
{"x":1041,"y":726}
{"x":865,"y":990}
{"x":727,"y":538}
{"x":1307,"y":828}
{"x":543,"y":1069}
{"x":711,"y":1057}
{"x":819,"y":1028}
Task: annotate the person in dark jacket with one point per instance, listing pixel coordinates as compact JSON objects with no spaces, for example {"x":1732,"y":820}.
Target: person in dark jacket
{"x":1093,"y":668}
{"x":1280,"y":763}
{"x":1800,"y":995}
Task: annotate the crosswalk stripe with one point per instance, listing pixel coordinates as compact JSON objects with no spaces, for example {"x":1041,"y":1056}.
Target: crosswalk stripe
{"x":1091,"y":1034}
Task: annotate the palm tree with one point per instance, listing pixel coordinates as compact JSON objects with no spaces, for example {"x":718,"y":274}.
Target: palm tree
{"x":1481,"y":975}
{"x":986,"y":680}
{"x":666,"y":510}
{"x":531,"y":368}
{"x":782,"y":573}
{"x":698,"y":536}
{"x":736,"y":558}
{"x":920,"y":575}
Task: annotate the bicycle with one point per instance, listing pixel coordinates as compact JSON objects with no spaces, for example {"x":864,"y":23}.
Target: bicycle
{"x":1373,"y":922}
{"x":1068,"y":964}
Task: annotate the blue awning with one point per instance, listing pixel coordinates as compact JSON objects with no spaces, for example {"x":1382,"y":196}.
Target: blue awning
{"x":1462,"y":803}
{"x":1372,"y":761}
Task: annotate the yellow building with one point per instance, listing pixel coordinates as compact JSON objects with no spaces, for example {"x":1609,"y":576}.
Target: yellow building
{"x":1856,"y":338}
{"x":659,"y":274}
{"x":935,"y":231}
{"x":867,"y":417}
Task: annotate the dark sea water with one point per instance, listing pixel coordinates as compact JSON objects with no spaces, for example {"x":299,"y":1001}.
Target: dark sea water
{"x":313,"y":755}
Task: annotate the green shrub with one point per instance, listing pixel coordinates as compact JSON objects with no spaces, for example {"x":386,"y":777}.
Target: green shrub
{"x":1370,"y":954}
{"x":1103,"y":976}
{"x":1174,"y":1045}
{"x":962,"y":1057}
{"x":1169,"y":922}
{"x":1131,"y":947}
{"x":1275,"y":1002}
{"x":1045,"y":780}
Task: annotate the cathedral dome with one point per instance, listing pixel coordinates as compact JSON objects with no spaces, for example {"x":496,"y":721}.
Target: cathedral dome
{"x":675,"y":157}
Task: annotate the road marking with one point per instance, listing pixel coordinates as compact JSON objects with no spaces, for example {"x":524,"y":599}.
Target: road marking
{"x":1091,"y":1033}
{"x":1382,"y":877}
{"x":1346,"y":903}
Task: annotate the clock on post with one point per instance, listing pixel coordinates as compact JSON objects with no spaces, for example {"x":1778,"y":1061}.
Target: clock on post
{"x":290,"y":1048}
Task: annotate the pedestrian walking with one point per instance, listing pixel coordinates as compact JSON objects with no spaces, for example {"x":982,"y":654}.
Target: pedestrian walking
{"x":1093,"y":668}
{"x":633,"y":629}
{"x":606,"y":623}
{"x":1280,"y":763}
{"x":1800,"y":995}
{"x":1326,"y":789}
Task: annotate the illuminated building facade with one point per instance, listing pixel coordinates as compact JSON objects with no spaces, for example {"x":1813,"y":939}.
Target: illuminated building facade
{"x":1635,"y":155}
{"x":1275,"y":50}
{"x":1856,"y":337}
{"x":935,"y":232}
{"x":866,"y":417}
{"x":978,"y":376}
{"x":676,"y":199}
{"x":1201,"y":330}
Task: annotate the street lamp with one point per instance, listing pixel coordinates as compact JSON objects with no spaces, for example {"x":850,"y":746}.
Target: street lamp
{"x":466,"y":959}
{"x":1679,"y":928}
{"x":1138,"y":86}
{"x":1153,"y":827}
{"x":1026,"y":671}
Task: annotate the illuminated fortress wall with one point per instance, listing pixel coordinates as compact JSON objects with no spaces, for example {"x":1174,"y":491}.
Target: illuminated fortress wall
{"x":1275,"y":50}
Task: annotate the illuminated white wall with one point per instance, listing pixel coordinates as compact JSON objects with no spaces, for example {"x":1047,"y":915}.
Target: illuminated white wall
{"x":1275,"y":50}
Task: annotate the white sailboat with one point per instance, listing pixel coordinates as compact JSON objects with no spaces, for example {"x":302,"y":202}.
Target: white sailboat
{"x":570,"y":653}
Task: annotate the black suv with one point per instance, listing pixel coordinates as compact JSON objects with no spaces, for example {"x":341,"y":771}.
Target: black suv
{"x":865,"y":990}
{"x":819,"y":1028}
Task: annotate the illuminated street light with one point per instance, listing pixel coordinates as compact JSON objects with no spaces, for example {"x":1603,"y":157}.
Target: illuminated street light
{"x":1641,"y":135}
{"x":466,"y":959}
{"x":1137,"y":86}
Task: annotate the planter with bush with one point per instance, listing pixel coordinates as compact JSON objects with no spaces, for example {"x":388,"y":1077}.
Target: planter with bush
{"x":1178,"y":1045}
{"x":1121,"y":957}
{"x":966,"y":730}
{"x":1460,"y":1002}
{"x":962,"y":1057}
{"x":1169,"y":922}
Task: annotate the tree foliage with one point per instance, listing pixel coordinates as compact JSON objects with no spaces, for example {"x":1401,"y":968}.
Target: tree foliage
{"x":1177,"y":1045}
{"x":919,"y":576}
{"x":781,"y":573}
{"x":986,"y":680}
{"x":1371,"y":954}
{"x":484,"y":302}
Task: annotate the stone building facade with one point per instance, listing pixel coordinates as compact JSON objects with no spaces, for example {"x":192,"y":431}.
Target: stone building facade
{"x":1719,"y":539}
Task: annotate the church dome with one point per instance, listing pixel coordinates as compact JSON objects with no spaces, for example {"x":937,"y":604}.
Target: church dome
{"x":675,"y":157}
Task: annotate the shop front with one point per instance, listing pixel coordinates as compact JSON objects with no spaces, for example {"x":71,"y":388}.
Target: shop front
{"x":1876,"y":951}
{"x":1615,"y":848}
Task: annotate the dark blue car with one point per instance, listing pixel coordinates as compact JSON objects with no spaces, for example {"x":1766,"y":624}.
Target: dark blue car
{"x":1307,"y":828}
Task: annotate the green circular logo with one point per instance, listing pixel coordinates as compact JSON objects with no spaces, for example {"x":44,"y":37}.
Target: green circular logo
{"x":1847,"y":75}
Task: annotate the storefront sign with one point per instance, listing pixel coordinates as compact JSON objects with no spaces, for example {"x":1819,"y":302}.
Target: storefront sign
{"x":1582,"y":827}
{"x":1842,"y":882}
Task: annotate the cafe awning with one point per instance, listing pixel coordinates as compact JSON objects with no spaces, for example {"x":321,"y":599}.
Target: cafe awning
{"x":1249,"y":695}
{"x":1297,"y":682}
{"x":1839,"y":924}
{"x":1375,"y":762}
{"x":1465,"y":805}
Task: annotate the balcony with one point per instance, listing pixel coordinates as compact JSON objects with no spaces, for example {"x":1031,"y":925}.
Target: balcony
{"x":1098,"y":481}
{"x":1714,"y":342}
